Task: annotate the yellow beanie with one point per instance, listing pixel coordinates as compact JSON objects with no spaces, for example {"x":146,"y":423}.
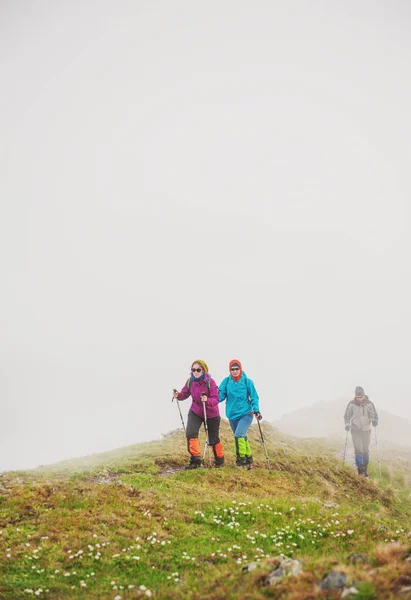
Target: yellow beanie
{"x":203,"y":365}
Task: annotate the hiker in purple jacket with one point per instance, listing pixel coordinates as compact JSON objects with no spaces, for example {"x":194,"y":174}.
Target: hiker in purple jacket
{"x":204,"y":392}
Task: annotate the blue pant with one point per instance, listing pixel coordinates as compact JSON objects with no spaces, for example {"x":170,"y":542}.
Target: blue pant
{"x":241,"y":426}
{"x":361,"y":441}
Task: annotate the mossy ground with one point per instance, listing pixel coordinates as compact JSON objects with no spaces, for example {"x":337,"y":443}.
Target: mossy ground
{"x":132,"y":524}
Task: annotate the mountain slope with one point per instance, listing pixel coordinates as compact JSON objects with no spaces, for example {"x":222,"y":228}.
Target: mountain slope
{"x":132,"y":524}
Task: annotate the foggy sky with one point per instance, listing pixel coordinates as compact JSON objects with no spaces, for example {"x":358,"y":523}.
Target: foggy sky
{"x":181,"y":180}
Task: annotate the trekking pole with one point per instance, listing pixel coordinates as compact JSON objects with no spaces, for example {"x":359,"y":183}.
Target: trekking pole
{"x":179,"y":410}
{"x":378,"y":452}
{"x":345,"y":447}
{"x":206,"y":447}
{"x":265,"y":448}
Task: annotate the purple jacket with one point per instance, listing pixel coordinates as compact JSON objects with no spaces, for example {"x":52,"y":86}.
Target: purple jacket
{"x":195,"y":391}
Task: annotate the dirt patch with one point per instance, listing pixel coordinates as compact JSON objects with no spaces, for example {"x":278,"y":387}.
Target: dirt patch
{"x":104,"y":478}
{"x":170,"y":470}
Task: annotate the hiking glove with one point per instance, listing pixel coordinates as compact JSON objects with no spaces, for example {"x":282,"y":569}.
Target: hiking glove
{"x":347,"y":427}
{"x":374,"y":422}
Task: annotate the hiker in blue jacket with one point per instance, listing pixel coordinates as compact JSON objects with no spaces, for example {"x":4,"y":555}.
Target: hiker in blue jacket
{"x":242,"y":404}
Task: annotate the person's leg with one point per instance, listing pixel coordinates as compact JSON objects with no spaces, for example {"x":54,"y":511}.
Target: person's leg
{"x":248,"y":455}
{"x":243,"y":427}
{"x":233,"y":424}
{"x":366,"y":438}
{"x":243,"y":450}
{"x":214,"y":441}
{"x":240,"y":458}
{"x":193,"y":445}
{"x":357,"y":441}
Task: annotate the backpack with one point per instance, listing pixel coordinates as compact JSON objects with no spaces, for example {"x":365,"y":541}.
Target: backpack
{"x":189,"y":380}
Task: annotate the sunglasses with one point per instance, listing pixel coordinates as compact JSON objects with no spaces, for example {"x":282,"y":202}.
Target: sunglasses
{"x":235,"y":369}
{"x":196,"y":370}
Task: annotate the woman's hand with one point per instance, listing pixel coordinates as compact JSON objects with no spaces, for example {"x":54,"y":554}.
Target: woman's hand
{"x":176,"y":394}
{"x":204,"y":397}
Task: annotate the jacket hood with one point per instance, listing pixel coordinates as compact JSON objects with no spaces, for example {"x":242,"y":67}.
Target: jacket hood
{"x":235,"y":361}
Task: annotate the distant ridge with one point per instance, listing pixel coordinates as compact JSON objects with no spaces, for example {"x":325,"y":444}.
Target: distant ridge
{"x":325,"y":419}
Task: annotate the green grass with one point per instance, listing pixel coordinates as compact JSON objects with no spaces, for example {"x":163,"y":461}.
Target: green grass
{"x":90,"y":528}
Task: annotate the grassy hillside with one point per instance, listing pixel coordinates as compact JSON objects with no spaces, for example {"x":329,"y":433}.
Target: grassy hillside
{"x":131,"y":524}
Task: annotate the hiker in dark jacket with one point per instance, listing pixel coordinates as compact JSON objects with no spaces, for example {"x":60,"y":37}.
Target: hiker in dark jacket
{"x":359,"y":415}
{"x":204,"y":392}
{"x":241,"y":406}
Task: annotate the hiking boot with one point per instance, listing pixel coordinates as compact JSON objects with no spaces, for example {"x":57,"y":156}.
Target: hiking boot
{"x":192,"y":466}
{"x":219,"y":462}
{"x":241,"y":461}
{"x":249,"y":466}
{"x":195,"y":462}
{"x":219,"y":466}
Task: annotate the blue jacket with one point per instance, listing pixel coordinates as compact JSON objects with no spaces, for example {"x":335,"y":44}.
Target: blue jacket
{"x":241,"y":396}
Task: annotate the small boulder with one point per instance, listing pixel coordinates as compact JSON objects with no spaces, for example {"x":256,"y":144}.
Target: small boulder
{"x":334,"y":580}
{"x":250,"y":567}
{"x":291,"y":566}
{"x":358,"y":558}
{"x":275,"y":576}
{"x":349,"y":592}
